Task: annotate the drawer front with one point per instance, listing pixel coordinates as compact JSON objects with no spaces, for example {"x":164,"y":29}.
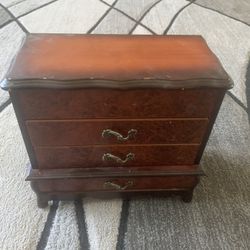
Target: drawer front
{"x":111,"y":103}
{"x":115,"y":156}
{"x":118,"y":184}
{"x":83,"y":132}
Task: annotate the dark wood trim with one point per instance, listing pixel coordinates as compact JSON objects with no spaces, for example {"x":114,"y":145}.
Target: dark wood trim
{"x":79,"y":173}
{"x":23,"y":128}
{"x":43,"y":196}
{"x":56,"y":196}
{"x":210,"y":126}
{"x":116,"y":84}
{"x":121,"y":145}
{"x":31,"y":121}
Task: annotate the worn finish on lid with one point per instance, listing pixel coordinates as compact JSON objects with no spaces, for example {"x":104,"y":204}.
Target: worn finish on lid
{"x":119,"y":61}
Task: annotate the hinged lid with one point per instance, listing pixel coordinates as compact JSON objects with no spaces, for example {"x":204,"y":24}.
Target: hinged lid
{"x":117,"y":61}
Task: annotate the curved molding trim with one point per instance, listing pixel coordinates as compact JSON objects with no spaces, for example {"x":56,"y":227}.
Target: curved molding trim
{"x":116,"y":84}
{"x":79,"y":173}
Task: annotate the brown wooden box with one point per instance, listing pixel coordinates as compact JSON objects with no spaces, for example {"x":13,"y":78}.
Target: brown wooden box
{"x":115,"y":114}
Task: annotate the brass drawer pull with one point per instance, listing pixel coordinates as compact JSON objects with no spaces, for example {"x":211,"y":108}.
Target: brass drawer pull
{"x":119,"y":137}
{"x":110,"y":184}
{"x":110,"y":157}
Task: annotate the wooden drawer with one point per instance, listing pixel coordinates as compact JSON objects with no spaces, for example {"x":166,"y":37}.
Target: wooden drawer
{"x":118,"y":184}
{"x":166,"y":88}
{"x":90,"y":132}
{"x":110,"y":103}
{"x":133,"y":155}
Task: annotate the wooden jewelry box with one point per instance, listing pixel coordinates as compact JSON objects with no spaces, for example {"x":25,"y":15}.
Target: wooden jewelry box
{"x":115,"y":114}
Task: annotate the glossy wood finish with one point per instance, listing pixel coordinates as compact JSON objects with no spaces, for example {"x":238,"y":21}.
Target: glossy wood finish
{"x":91,"y":156}
{"x":19,"y":115}
{"x":118,"y":184}
{"x":66,"y":59}
{"x":37,"y":178}
{"x":107,"y":103}
{"x":67,"y":89}
{"x":217,"y":105}
{"x":92,"y":132}
{"x":79,"y":173}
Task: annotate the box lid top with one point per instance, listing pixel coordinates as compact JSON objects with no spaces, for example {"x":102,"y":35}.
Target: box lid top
{"x":119,"y":61}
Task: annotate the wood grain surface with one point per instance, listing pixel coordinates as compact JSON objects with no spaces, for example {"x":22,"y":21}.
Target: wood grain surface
{"x":91,"y":156}
{"x":48,"y":58}
{"x":110,"y":103}
{"x":68,"y":89}
{"x":79,"y":173}
{"x":94,"y":132}
{"x":131,"y":183}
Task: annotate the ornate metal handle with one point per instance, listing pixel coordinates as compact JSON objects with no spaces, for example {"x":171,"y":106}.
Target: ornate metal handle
{"x":110,"y":184}
{"x":119,"y":137}
{"x":110,"y":157}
